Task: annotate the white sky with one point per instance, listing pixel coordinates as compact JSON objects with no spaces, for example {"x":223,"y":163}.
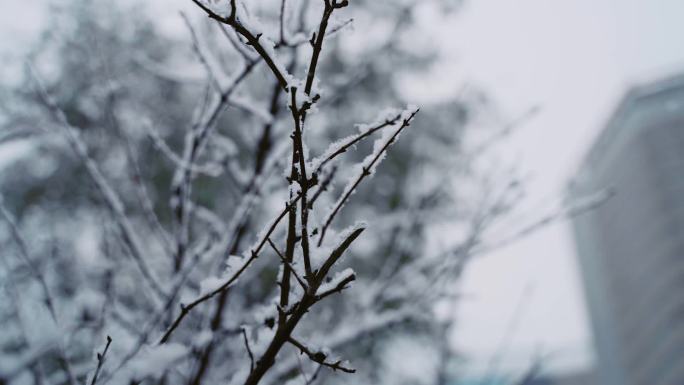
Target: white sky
{"x":574,"y":58}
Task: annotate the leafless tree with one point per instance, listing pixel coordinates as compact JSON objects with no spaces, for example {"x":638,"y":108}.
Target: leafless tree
{"x":177,"y":293}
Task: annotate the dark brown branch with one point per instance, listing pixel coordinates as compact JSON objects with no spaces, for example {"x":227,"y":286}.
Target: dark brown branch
{"x":185,"y":309}
{"x":249,"y":350}
{"x":303,"y":180}
{"x":308,"y":299}
{"x":325,"y":183}
{"x":288,"y":265}
{"x":355,"y":139}
{"x":290,"y":244}
{"x":338,"y":288}
{"x":253,"y":187}
{"x":336,"y":254}
{"x":325,"y":269}
{"x":100,"y":360}
{"x":317,"y":40}
{"x":319,"y":357}
{"x":252,"y":40}
{"x":364,"y":173}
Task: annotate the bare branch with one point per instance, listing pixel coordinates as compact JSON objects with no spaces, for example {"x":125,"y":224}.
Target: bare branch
{"x":24,"y":253}
{"x":185,"y":309}
{"x":249,"y":350}
{"x":212,"y":170}
{"x":336,"y":149}
{"x":365,"y":171}
{"x":236,"y":43}
{"x":288,"y":265}
{"x":303,"y":179}
{"x":100,"y":360}
{"x":211,"y":72}
{"x":282,"y":21}
{"x":336,"y":254}
{"x":320,"y":357}
{"x":252,"y":40}
{"x":114,"y":202}
{"x":569,"y":210}
{"x":325,"y":183}
{"x":341,"y":285}
{"x":317,"y":40}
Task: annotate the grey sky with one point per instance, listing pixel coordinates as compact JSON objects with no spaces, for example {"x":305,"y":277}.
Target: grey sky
{"x":574,"y":58}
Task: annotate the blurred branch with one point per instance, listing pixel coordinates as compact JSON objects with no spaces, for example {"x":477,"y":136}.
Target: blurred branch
{"x":249,"y":351}
{"x":24,"y":253}
{"x":567,"y":211}
{"x":111,"y":197}
{"x":214,"y":78}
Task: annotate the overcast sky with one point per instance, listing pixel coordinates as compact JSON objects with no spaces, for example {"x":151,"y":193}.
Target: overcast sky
{"x":574,"y":59}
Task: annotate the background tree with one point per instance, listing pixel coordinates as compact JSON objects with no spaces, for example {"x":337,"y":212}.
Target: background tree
{"x":154,"y":161}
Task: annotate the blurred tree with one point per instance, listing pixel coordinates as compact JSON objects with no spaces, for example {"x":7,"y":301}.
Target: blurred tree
{"x":154,"y":158}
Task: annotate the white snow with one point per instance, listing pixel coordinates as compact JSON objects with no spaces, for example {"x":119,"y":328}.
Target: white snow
{"x":336,"y":280}
{"x":152,"y":361}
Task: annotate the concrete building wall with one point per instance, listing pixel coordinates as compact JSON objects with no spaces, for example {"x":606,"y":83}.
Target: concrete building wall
{"x":631,"y":248}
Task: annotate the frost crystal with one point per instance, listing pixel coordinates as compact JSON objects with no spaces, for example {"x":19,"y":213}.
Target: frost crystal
{"x":336,"y":280}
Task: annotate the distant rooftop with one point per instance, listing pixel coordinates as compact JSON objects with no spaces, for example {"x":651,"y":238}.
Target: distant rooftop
{"x":659,"y":94}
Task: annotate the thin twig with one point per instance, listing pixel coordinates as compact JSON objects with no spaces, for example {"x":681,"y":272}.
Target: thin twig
{"x":338,"y":288}
{"x":249,"y":350}
{"x":303,"y":179}
{"x":288,"y":265}
{"x":319,"y":357}
{"x":353,"y":140}
{"x":315,"y":375}
{"x":324,"y":184}
{"x":282,"y":21}
{"x":337,"y":253}
{"x":252,"y":40}
{"x":114,"y":202}
{"x":24,"y":253}
{"x":213,"y":77}
{"x":185,"y":309}
{"x":100,"y":360}
{"x":317,"y":40}
{"x":365,"y":171}
{"x":308,"y":299}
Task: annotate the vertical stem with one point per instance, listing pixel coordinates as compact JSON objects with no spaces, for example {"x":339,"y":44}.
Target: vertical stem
{"x":298,"y":145}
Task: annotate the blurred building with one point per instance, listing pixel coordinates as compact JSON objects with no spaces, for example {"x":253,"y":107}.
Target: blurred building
{"x":631,"y":248}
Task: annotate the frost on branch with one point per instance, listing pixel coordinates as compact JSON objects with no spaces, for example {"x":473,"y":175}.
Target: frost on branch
{"x":339,"y":281}
{"x":208,"y":264}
